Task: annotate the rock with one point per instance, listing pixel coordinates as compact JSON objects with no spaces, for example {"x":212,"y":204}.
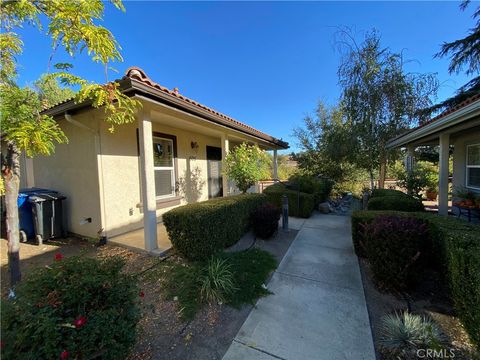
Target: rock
{"x":324,"y":208}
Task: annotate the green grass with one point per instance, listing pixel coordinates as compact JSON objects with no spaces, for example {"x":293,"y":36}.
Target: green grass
{"x":247,"y":270}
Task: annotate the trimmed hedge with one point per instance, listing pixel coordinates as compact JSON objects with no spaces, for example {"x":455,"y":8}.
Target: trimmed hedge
{"x":395,"y":202}
{"x":455,"y":248}
{"x":274,"y":195}
{"x":387,"y":192}
{"x":319,"y":187}
{"x":201,"y":229}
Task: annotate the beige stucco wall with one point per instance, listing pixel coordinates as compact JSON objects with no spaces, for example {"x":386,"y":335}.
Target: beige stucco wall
{"x":121,"y":173}
{"x":72,"y":170}
{"x":459,"y":157}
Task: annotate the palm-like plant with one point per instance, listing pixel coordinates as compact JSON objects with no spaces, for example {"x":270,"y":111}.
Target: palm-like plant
{"x":217,"y":280}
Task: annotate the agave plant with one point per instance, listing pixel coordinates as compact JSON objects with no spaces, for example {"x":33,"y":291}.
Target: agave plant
{"x":403,"y":333}
{"x":216,"y":281}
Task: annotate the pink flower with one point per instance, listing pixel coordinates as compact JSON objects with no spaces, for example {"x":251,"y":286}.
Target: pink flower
{"x":64,"y":354}
{"x":141,"y":294}
{"x":58,"y":256}
{"x":82,"y":320}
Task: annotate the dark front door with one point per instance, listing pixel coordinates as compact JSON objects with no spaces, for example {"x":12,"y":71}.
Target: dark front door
{"x":214,"y":169}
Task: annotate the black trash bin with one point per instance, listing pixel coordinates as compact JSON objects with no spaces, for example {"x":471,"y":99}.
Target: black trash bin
{"x":47,"y":215}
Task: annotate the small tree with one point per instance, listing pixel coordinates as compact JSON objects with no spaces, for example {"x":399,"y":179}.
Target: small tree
{"x":245,"y":165}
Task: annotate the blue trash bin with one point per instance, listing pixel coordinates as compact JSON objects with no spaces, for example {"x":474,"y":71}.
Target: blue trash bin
{"x":25,"y":212}
{"x":27,"y":230}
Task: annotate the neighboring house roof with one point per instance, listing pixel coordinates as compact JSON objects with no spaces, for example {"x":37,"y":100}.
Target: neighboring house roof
{"x":464,"y":111}
{"x":136,"y":81}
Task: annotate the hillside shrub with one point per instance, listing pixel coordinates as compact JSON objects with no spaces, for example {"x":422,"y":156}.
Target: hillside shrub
{"x":265,"y":221}
{"x":199,"y":230}
{"x":455,"y":249}
{"x":299,"y":204}
{"x":81,"y":307}
{"x":394,"y":246}
{"x":319,"y":187}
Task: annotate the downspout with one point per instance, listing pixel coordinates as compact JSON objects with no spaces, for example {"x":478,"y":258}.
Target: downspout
{"x":98,"y":151}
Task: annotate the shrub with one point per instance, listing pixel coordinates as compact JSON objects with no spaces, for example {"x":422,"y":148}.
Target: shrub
{"x":402,"y":334}
{"x":216,"y":280}
{"x":299,"y":204}
{"x":455,"y":249}
{"x":83,"y":306}
{"x":398,"y":203}
{"x":393,"y":246}
{"x":387,"y":192}
{"x":265,"y":221}
{"x":319,"y":187}
{"x":199,"y":230}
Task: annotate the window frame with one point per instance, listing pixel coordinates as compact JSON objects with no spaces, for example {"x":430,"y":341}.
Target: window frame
{"x":173,"y":168}
{"x":467,"y":167}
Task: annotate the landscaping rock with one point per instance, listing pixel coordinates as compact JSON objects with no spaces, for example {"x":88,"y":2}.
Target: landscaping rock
{"x":324,"y":208}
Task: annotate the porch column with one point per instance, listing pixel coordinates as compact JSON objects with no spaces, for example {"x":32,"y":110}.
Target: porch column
{"x":409,"y":161}
{"x":225,"y":150}
{"x":275,"y":165}
{"x":148,"y":181}
{"x":443,"y":175}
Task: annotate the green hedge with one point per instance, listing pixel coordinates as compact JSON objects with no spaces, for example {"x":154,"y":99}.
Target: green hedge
{"x":387,"y":192}
{"x":320,"y":188}
{"x":201,"y":229}
{"x":455,"y":247}
{"x":274,"y":195}
{"x":395,"y":202}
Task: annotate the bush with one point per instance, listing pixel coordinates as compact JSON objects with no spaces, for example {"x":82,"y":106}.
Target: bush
{"x":319,"y":187}
{"x":393,"y":246}
{"x":299,"y":204}
{"x":398,"y":203}
{"x":265,"y":221}
{"x":455,"y":248}
{"x":387,"y":192}
{"x":82,"y":307}
{"x":216,"y":280}
{"x":199,"y":230}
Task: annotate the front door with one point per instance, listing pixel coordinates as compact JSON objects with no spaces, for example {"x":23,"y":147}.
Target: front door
{"x":214,"y":169}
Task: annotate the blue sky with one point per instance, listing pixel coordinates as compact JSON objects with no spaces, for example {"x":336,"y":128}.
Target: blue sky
{"x":263,"y":63}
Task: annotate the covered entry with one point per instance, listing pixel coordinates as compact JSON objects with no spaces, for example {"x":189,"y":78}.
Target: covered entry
{"x":214,"y":172}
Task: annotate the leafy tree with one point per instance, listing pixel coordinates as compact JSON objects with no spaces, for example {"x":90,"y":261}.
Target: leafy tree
{"x":423,"y":176}
{"x":245,"y":164}
{"x":72,"y":25}
{"x":379,"y":99}
{"x":464,"y":55}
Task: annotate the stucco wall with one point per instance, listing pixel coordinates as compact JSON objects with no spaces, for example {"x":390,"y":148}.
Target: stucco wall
{"x":459,"y":157}
{"x":121,"y":173}
{"x":72,"y":170}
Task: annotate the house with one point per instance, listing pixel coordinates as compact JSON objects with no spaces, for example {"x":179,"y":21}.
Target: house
{"x":123,"y":181}
{"x":457,"y":128}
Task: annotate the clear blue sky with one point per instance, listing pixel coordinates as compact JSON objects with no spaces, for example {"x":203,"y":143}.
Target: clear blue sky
{"x":263,"y":63}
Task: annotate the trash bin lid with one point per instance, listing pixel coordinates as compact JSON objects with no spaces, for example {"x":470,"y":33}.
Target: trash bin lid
{"x":39,"y":197}
{"x":35,"y":190}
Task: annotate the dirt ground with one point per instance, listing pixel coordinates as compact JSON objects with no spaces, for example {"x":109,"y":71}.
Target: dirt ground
{"x":162,"y":333}
{"x":429,"y":298}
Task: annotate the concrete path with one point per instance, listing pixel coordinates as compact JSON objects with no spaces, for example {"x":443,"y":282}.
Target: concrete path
{"x":318,"y":309}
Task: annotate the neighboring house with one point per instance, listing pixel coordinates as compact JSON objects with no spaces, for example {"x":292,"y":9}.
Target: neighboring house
{"x":458,"y":128}
{"x":121,"y":181}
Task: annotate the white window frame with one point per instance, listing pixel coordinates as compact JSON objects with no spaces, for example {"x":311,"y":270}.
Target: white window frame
{"x":171,"y":168}
{"x":470,"y":167}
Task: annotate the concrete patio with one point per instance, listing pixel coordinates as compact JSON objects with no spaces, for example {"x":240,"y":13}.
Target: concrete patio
{"x":318,"y":308}
{"x":135,"y":240}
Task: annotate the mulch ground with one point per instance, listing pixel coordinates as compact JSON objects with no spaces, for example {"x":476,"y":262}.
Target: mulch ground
{"x":162,"y":334}
{"x":430,"y":297}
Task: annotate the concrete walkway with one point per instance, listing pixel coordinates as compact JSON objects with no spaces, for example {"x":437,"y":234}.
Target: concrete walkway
{"x":318,"y":309}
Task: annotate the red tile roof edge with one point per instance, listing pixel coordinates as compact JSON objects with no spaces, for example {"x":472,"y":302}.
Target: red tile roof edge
{"x":136,"y":73}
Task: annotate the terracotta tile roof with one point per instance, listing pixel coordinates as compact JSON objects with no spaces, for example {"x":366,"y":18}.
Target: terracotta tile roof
{"x":138,"y":74}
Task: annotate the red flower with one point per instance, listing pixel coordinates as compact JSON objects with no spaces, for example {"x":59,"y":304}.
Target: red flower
{"x":141,"y":294}
{"x":58,"y":256}
{"x":82,"y":320}
{"x":64,"y":354}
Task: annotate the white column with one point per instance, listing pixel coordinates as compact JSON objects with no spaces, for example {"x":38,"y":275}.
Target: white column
{"x":409,"y":161}
{"x":275,"y":165}
{"x":148,"y":181}
{"x":225,"y":150}
{"x":443,"y":175}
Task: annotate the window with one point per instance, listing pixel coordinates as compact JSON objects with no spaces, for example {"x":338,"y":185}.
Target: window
{"x":473,"y":166}
{"x":164,"y":165}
